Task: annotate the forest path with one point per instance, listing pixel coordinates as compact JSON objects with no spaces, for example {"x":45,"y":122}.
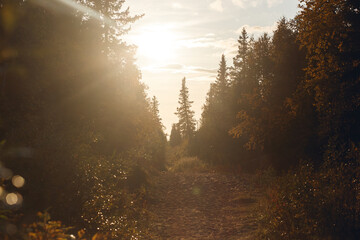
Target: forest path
{"x":202,"y":205}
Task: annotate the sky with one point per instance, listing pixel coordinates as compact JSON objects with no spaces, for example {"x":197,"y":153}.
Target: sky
{"x":186,"y":38}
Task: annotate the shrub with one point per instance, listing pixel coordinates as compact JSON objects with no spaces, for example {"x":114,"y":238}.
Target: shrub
{"x":188,"y":164}
{"x":310,"y":204}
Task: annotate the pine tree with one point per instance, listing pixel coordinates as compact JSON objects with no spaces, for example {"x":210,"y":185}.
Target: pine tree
{"x":175,"y":136}
{"x":185,"y":114}
{"x":154,"y":109}
{"x":222,"y":83}
{"x":241,"y":59}
{"x":217,"y":96}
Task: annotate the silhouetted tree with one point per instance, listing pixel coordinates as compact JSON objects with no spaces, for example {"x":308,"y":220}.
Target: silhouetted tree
{"x":175,"y":136}
{"x":154,"y":108}
{"x":213,"y":139}
{"x":70,"y":102}
{"x":330,"y":34}
{"x":187,"y":122}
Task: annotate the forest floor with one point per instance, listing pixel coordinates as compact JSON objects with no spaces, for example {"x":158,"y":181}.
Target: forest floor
{"x":203,"y":205}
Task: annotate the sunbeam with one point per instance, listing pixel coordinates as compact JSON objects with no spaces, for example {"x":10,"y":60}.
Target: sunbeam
{"x":78,"y":7}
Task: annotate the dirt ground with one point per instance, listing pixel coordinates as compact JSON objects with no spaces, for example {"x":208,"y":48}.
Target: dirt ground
{"x":203,"y":205}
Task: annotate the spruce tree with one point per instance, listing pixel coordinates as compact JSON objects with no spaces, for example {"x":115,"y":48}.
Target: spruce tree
{"x":217,"y":96}
{"x":241,"y":59}
{"x":154,"y":109}
{"x":221,"y":83}
{"x":185,"y":114}
{"x":175,"y":136}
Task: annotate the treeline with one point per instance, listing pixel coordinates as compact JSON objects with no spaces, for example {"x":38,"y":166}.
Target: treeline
{"x":75,"y":121}
{"x":291,"y":96}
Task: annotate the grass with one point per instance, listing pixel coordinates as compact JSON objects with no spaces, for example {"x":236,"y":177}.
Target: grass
{"x":188,"y":164}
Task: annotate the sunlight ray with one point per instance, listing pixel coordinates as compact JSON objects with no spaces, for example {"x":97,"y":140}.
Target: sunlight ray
{"x":81,"y":8}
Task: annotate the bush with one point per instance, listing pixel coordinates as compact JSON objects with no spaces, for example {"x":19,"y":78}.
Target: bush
{"x":310,"y":204}
{"x":188,"y":164}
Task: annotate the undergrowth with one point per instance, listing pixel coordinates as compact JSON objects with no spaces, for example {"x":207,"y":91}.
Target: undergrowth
{"x":188,"y":164}
{"x":313,"y":204}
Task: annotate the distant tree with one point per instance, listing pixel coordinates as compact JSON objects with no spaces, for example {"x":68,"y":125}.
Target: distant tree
{"x":154,"y":108}
{"x":215,"y":145}
{"x":187,"y":122}
{"x":217,"y":95}
{"x":175,"y":136}
{"x":222,"y":82}
{"x":240,"y":61}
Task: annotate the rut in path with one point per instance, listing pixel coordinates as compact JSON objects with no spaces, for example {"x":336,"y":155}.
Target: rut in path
{"x":196,"y":205}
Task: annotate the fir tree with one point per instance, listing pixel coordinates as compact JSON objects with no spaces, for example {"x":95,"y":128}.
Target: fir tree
{"x":154,"y":109}
{"x":241,"y":59}
{"x":221,"y":83}
{"x":185,"y":114}
{"x":175,"y":136}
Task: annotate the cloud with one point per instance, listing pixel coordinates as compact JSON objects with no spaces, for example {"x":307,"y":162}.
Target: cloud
{"x":217,"y":6}
{"x":173,"y":66}
{"x":177,"y":5}
{"x":272,"y":3}
{"x":203,"y":70}
{"x":204,"y":78}
{"x":179,"y":68}
{"x":246,"y":3}
{"x":255,"y":3}
{"x":209,"y":41}
{"x":257,"y":30}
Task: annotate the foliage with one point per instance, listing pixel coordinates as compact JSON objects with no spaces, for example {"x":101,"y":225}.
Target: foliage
{"x":329,"y":31}
{"x":175,"y":136}
{"x":212,"y":142}
{"x":186,"y":124}
{"x":113,"y":203}
{"x":47,"y":229}
{"x":187,"y":164}
{"x":309,"y":204}
{"x":274,"y":73}
{"x":256,"y":106}
{"x":71,"y":99}
{"x":175,"y":153}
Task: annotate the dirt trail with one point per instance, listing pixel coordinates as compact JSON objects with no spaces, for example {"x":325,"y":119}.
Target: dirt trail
{"x":202,"y":206}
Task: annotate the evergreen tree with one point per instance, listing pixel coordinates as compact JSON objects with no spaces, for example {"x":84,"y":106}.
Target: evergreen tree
{"x":175,"y":136}
{"x":217,"y":96}
{"x":154,"y":108}
{"x":79,"y":109}
{"x":222,"y":83}
{"x":240,"y":61}
{"x":329,"y":31}
{"x":187,"y":122}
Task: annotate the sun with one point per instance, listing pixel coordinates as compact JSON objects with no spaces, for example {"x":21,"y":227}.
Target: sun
{"x":156,"y":44}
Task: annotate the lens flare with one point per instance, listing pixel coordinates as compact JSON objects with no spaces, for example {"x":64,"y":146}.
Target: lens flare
{"x":18,"y":181}
{"x":11,"y":199}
